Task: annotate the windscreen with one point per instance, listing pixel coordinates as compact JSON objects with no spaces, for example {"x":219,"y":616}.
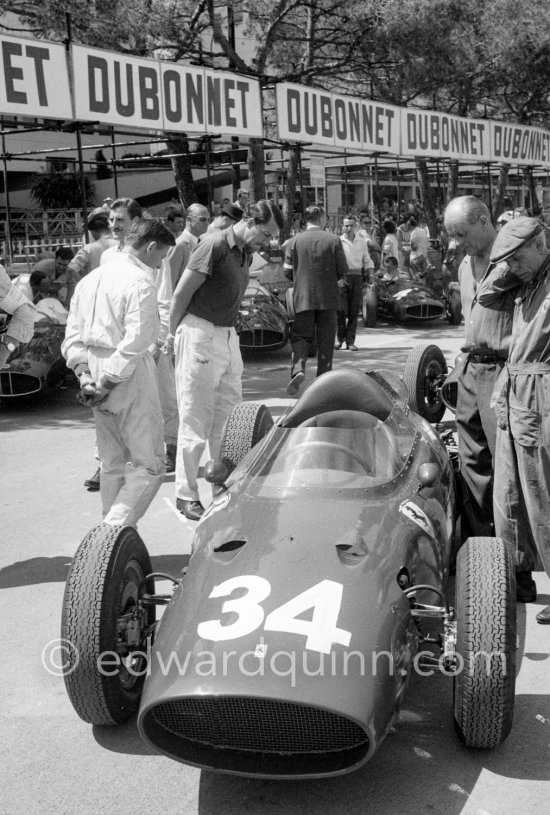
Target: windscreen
{"x":339,"y":459}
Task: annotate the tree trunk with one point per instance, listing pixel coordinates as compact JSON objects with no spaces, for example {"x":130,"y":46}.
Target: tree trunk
{"x":181,"y":164}
{"x":499,"y":192}
{"x":256,"y":170}
{"x":534,"y":203}
{"x":426,"y":195}
{"x":293,"y":169}
{"x":452,"y":182}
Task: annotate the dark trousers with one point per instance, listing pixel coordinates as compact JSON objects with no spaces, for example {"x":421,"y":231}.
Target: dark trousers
{"x":477,"y":429}
{"x":351,"y":293}
{"x":308,"y":326}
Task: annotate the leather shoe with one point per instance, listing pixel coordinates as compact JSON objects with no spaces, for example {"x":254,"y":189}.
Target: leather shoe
{"x":337,"y":346}
{"x":92,"y":483}
{"x":170,"y":458}
{"x":352,"y":347}
{"x":193,"y":510}
{"x":526,"y":588}
{"x":295,"y":383}
{"x":543,"y":617}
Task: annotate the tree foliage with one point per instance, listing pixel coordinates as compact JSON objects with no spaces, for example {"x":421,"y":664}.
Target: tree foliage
{"x":461,"y":56}
{"x":61,"y":190}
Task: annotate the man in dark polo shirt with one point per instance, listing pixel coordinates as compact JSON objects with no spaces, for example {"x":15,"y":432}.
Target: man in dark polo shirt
{"x":314,"y":260}
{"x":202,"y":327}
{"x":488,"y":330}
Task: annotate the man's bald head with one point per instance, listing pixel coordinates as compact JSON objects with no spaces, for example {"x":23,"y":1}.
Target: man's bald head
{"x":468,"y":222}
{"x":197,"y":219}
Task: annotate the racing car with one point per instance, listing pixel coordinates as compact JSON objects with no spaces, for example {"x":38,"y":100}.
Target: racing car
{"x":262,"y":321}
{"x":316,"y":576}
{"x":405,"y":299}
{"x":38,"y":364}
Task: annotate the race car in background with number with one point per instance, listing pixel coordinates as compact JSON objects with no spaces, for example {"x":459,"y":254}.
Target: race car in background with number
{"x":288,"y":642}
{"x":405,"y":299}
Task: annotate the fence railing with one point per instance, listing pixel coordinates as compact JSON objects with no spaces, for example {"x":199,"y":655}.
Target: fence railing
{"x":35,"y":231}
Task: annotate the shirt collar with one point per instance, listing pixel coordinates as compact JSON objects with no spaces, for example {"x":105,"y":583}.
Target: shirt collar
{"x":189,"y":235}
{"x":233,"y":240}
{"x":137,"y":262}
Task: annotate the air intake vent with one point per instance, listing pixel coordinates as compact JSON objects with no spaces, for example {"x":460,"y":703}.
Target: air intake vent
{"x":261,"y":338}
{"x":255,"y":736}
{"x":425,"y":311}
{"x":16,"y":384}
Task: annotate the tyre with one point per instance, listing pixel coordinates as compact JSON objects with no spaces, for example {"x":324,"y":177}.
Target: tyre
{"x":454,"y":307}
{"x":369,"y":306}
{"x":424,"y":372}
{"x":247,"y":424}
{"x":101,"y":613}
{"x":484,"y":685}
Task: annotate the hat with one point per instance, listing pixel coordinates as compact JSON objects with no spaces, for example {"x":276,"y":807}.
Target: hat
{"x":513,"y":235}
{"x":98,"y":218}
{"x":232,"y":211}
{"x":509,"y":215}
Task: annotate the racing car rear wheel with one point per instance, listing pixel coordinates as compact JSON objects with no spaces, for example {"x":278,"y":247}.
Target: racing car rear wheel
{"x":369,"y":306}
{"x":454,"y":307}
{"x":247,"y":424}
{"x":424,"y":372}
{"x":104,"y":626}
{"x":485,"y":678}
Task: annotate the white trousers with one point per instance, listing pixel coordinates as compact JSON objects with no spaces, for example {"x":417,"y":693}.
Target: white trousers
{"x":167,"y":394}
{"x":209,"y":371}
{"x":130,"y":443}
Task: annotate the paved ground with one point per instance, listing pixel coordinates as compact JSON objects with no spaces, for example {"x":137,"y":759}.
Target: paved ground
{"x":54,"y":763}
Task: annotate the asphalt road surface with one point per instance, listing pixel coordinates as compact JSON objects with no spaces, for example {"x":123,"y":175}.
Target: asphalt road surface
{"x":52,"y":762}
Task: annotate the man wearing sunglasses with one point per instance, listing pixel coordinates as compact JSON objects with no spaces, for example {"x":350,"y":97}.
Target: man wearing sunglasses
{"x":202,"y":329}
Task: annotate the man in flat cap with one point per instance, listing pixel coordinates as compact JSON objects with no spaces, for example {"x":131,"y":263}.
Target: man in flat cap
{"x":229,"y":215}
{"x":522,"y":396}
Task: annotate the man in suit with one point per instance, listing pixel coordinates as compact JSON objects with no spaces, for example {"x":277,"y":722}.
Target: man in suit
{"x":314,"y":261}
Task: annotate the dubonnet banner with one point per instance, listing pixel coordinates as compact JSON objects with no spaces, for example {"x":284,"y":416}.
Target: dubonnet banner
{"x":118,"y":89}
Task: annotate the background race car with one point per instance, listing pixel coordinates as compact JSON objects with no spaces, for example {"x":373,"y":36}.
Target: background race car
{"x":262,"y":322}
{"x":38,"y":364}
{"x":405,"y":299}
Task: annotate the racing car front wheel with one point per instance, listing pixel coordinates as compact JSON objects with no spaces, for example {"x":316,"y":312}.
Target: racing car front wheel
{"x":104,"y":626}
{"x":424,"y":373}
{"x":247,"y":424}
{"x":485,"y":677}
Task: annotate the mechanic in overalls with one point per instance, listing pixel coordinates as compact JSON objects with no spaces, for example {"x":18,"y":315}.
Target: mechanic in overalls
{"x":19,"y":327}
{"x":522,"y":398}
{"x":112,"y":324}
{"x":487,"y":293}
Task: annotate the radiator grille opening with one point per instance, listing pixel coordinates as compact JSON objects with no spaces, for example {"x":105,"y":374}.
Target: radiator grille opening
{"x":261,"y":338}
{"x":251,"y":735}
{"x":425,"y":311}
{"x":16,"y":384}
